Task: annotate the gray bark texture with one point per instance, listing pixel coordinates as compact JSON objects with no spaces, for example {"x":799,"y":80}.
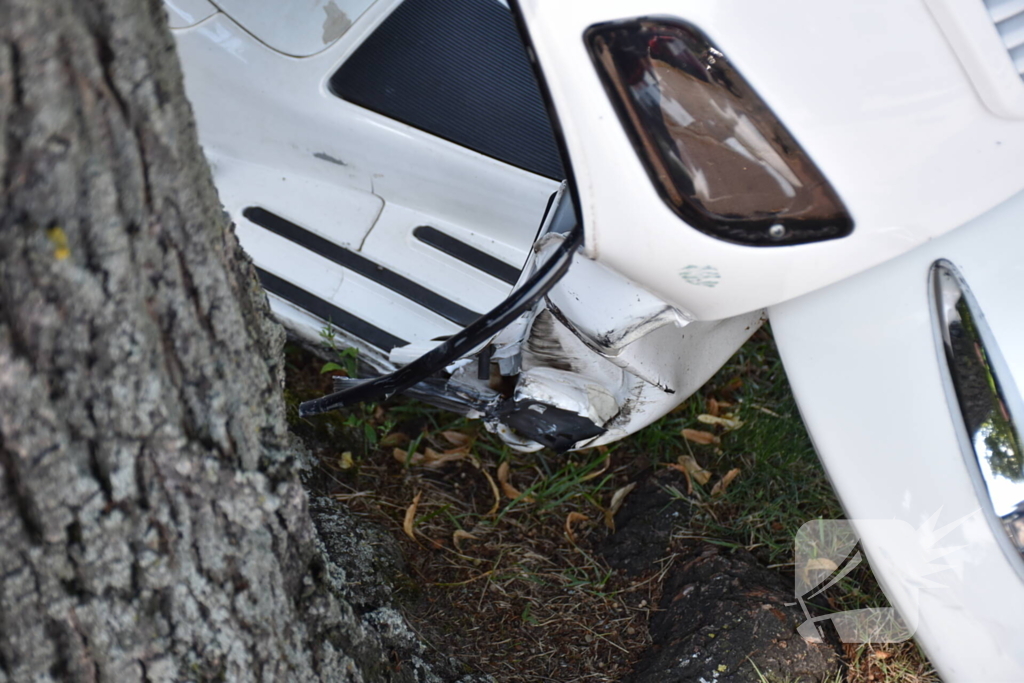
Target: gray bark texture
{"x":152,"y":525}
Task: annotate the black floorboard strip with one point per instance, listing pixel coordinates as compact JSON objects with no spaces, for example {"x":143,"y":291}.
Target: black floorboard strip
{"x":467,"y":254}
{"x":328,"y":312}
{"x":361,"y":265}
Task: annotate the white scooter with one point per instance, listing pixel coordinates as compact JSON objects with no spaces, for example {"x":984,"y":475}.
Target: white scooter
{"x":564,"y":217}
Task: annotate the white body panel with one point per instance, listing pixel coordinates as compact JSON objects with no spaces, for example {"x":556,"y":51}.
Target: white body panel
{"x":300,"y":28}
{"x":278,"y":139}
{"x":862,"y":359}
{"x":184,"y":13}
{"x":872,"y":91}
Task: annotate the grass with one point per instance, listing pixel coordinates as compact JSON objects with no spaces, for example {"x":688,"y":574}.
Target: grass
{"x":507,"y":579}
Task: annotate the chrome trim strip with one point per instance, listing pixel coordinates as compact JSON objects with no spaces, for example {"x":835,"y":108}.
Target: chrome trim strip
{"x":984,"y":404}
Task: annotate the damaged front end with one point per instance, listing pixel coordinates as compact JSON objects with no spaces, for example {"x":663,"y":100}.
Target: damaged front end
{"x":577,"y":356}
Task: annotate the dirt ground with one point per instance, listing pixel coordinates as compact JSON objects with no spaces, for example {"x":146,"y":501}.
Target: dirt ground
{"x":616,"y":564}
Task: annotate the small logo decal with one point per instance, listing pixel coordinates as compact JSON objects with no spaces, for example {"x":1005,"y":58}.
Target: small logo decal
{"x":701,"y":276}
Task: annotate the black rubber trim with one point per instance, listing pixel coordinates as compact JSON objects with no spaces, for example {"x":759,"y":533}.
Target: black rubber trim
{"x":328,"y":312}
{"x":469,"y":255}
{"x":361,"y":265}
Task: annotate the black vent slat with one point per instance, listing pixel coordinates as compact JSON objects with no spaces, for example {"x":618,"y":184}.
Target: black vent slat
{"x":467,"y":254}
{"x":328,"y":312}
{"x":361,"y":265}
{"x":456,"y":69}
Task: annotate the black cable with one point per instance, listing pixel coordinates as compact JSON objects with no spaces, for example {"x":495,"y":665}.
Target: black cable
{"x":457,"y":346}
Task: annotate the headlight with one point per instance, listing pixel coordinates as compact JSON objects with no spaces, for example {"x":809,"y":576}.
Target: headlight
{"x":714,"y":150}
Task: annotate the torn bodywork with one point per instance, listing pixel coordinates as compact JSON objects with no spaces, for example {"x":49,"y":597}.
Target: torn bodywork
{"x":590,"y":360}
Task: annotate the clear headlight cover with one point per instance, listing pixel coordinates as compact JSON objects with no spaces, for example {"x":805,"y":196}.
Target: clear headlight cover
{"x":714,"y":150}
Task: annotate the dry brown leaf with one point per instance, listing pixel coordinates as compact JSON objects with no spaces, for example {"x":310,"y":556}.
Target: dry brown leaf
{"x":345,"y":460}
{"x":881,"y":654}
{"x":432,"y":458}
{"x":701,"y":437}
{"x":410,"y":516}
{"x":733,"y":386}
{"x":494,"y":490}
{"x":766,"y":411}
{"x":604,"y":468}
{"x":713,"y":407}
{"x":727,"y":423}
{"x":457,"y":438}
{"x":699,"y":474}
{"x":570,"y":523}
{"x":394,"y":439}
{"x":686,"y":473}
{"x":820,"y":563}
{"x":817,"y":564}
{"x":403,"y":457}
{"x":617,"y":498}
{"x":507,"y":488}
{"x":723,"y":483}
{"x":459,"y":536}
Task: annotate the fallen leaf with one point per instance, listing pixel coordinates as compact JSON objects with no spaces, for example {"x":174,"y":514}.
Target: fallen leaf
{"x":432,"y":458}
{"x":460,"y":536}
{"x":403,"y":457}
{"x":701,"y":437}
{"x":699,"y":474}
{"x":394,"y":439}
{"x":732,"y":387}
{"x":457,"y":438}
{"x":604,"y":468}
{"x":723,"y":483}
{"x":767,"y":411}
{"x":728,"y":423}
{"x":713,"y":406}
{"x":617,"y":498}
{"x":345,"y":460}
{"x":686,"y":473}
{"x":570,"y":523}
{"x":507,"y":488}
{"x":881,"y":654}
{"x":820,"y":563}
{"x":410,"y":516}
{"x":817,"y":564}
{"x":379,"y":416}
{"x":494,"y":490}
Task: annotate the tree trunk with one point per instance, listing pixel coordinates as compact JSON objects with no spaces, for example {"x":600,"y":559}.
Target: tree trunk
{"x":152,"y":527}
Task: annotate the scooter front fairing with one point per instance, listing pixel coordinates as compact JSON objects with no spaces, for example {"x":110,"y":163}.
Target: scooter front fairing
{"x":909,"y":432}
{"x":912,"y":112}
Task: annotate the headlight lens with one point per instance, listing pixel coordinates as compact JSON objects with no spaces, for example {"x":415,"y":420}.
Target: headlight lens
{"x":714,"y":150}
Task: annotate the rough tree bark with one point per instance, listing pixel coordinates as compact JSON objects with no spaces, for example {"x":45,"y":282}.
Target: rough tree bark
{"x":152,"y":526}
